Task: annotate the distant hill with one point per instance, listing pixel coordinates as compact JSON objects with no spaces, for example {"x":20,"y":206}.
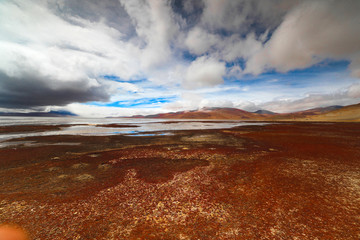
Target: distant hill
{"x":331,"y":113}
{"x":38,"y":114}
{"x":303,"y":115}
{"x":261,"y":111}
{"x":347,"y":113}
{"x":210,"y":113}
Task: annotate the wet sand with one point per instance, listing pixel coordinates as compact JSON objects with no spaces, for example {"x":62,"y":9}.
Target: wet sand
{"x":278,"y":181}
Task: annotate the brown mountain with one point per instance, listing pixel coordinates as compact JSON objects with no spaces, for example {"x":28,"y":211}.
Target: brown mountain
{"x":303,"y":115}
{"x":211,"y":113}
{"x":261,"y":111}
{"x":348,"y":113}
{"x":332,"y":113}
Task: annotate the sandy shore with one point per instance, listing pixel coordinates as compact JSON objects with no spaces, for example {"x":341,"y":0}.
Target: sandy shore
{"x":279,"y":181}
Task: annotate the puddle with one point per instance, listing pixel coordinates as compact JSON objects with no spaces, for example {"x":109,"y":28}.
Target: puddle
{"x":35,"y":144}
{"x":149,"y":134}
{"x":17,"y":143}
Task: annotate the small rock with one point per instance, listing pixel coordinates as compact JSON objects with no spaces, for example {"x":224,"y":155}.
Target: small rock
{"x":79,"y":165}
{"x":104,"y":166}
{"x":84,"y":177}
{"x":54,"y":169}
{"x":63,"y":176}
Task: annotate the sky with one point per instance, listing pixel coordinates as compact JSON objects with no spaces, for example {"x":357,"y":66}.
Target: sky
{"x":128,"y":57}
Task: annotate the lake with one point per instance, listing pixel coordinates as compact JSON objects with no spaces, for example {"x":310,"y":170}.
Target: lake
{"x":90,"y":126}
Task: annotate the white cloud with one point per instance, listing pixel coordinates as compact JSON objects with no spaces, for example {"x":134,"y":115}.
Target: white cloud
{"x":33,"y":39}
{"x":354,"y":91}
{"x":236,"y":47}
{"x":310,"y":33}
{"x":103,"y":111}
{"x":235,"y":71}
{"x":155,"y":25}
{"x":194,"y":101}
{"x":199,"y":41}
{"x":204,"y":72}
{"x":347,"y":96}
{"x":128,"y":87}
{"x":230,"y":48}
{"x":355,"y":65}
{"x":188,"y":101}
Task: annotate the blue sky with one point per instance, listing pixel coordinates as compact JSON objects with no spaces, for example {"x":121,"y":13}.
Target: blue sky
{"x":121,"y":58}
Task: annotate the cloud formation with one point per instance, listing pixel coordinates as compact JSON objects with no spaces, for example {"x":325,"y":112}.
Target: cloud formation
{"x":311,"y":32}
{"x":345,"y":97}
{"x":49,"y":61}
{"x":30,"y":90}
{"x":58,"y":53}
{"x":155,"y":26}
{"x":240,"y":16}
{"x":204,"y":72}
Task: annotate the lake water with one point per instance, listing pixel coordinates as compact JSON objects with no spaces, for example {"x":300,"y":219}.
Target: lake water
{"x":87,"y":126}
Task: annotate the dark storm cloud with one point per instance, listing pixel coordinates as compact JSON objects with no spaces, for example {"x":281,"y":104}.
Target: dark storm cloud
{"x":32,"y":91}
{"x":110,"y":11}
{"x":189,"y":10}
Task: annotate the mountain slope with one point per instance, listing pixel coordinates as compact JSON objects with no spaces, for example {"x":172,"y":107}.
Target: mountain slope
{"x":214,"y":113}
{"x":332,"y":113}
{"x":348,"y":113}
{"x":303,"y":115}
{"x":262,"y":111}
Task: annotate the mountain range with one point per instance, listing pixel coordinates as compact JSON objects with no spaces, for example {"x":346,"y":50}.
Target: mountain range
{"x":38,"y":114}
{"x":331,"y":113}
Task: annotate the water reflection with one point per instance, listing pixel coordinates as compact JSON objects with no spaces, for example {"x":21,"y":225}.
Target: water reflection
{"x":88,"y":127}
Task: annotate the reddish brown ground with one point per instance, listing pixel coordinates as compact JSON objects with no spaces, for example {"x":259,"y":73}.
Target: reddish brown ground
{"x":281,"y":181}
{"x":29,"y":128}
